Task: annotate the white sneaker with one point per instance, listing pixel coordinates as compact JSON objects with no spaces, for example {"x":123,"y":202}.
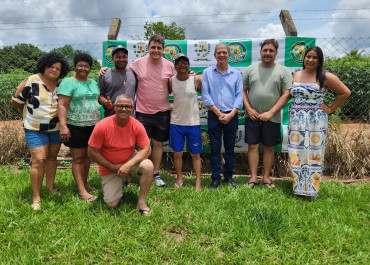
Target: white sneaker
{"x":158,"y":181}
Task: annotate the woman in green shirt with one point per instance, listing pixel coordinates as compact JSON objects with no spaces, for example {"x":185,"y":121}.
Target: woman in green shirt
{"x":78,"y":112}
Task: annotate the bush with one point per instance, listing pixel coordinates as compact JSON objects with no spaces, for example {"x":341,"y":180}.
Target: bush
{"x":354,"y":72}
{"x":8,"y":84}
{"x":13,"y":146}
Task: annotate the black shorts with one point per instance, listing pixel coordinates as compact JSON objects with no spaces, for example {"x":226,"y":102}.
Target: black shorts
{"x":79,"y":136}
{"x":157,"y":125}
{"x":267,"y":132}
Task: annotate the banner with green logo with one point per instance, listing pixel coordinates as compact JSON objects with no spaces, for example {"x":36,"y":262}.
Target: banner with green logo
{"x":244,"y":52}
{"x":295,"y":49}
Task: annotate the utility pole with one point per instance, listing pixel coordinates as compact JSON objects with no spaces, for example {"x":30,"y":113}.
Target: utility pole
{"x":114,"y":28}
{"x":288,"y":23}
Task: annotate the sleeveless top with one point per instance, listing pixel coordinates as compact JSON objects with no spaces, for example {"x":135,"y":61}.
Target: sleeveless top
{"x":185,"y":102}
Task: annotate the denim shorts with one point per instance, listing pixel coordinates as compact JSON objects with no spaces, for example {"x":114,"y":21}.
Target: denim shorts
{"x":41,"y":138}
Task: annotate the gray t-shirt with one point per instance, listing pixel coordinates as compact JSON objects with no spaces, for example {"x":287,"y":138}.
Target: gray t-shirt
{"x":265,"y":85}
{"x":113,"y":84}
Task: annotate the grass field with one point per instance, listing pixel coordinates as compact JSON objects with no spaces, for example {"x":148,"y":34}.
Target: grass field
{"x":225,"y":226}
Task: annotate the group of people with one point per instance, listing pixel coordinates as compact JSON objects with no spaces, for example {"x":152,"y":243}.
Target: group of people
{"x":137,"y":109}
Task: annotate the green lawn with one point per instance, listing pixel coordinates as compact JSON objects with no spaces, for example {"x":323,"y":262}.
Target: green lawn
{"x":225,"y":226}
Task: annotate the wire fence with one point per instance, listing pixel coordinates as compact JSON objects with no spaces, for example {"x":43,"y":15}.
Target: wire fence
{"x":17,"y":62}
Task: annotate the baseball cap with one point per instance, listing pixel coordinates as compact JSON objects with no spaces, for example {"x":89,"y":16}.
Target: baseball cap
{"x":179,"y":56}
{"x":119,"y":47}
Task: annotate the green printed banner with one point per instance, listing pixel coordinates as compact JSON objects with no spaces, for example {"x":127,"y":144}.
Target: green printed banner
{"x":244,"y":52}
{"x":295,"y":49}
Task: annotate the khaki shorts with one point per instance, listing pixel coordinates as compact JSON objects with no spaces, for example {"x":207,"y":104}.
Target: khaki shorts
{"x":112,"y":184}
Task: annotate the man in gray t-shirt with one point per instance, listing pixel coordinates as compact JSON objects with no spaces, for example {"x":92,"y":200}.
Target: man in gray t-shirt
{"x":266,"y":91}
{"x":117,"y":80}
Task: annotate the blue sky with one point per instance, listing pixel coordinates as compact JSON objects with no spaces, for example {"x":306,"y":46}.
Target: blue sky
{"x":87,"y":21}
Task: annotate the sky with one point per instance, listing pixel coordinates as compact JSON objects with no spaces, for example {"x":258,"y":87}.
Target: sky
{"x":52,"y":22}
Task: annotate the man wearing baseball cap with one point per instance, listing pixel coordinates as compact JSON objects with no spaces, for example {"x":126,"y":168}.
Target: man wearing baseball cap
{"x":117,"y":80}
{"x":185,"y":121}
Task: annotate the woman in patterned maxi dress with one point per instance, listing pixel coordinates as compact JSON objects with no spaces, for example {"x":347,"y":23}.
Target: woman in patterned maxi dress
{"x":308,"y":121}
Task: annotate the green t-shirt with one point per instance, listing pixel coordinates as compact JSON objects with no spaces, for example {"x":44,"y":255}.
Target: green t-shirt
{"x":265,"y":85}
{"x":83,"y":109}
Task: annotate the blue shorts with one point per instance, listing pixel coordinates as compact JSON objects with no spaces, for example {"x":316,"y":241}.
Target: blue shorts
{"x":193,"y":136}
{"x":41,"y":138}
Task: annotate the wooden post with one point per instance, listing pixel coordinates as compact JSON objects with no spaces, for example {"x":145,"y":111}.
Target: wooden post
{"x":288,"y":23}
{"x":114,"y":28}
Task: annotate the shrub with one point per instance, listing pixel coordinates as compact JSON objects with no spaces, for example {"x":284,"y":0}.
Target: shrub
{"x":347,"y":156}
{"x":354,"y":72}
{"x":13,"y":145}
{"x":8,"y":84}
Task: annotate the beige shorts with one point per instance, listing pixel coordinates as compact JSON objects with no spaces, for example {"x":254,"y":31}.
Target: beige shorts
{"x":112,"y":184}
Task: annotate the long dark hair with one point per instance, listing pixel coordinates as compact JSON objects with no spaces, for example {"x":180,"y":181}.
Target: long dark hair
{"x":320,"y":71}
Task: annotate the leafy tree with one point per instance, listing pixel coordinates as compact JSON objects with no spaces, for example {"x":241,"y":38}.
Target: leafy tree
{"x":69,"y":52}
{"x":21,"y":56}
{"x":168,"y":32}
{"x":355,"y":53}
{"x":353,"y":71}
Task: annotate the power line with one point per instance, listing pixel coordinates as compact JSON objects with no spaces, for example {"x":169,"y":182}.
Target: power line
{"x":188,"y":15}
{"x":199,"y":23}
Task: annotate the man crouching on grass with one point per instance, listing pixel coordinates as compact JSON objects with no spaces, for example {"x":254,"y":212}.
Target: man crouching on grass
{"x":112,"y":146}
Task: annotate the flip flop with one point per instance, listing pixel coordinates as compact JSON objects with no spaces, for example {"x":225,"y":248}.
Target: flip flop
{"x":178,"y":186}
{"x":91,"y":189}
{"x":253,"y":183}
{"x":145,"y":212}
{"x":90,"y":199}
{"x":130,"y":183}
{"x":36,"y":206}
{"x":269,"y":185}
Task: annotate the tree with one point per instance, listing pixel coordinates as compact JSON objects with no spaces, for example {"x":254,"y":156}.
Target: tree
{"x":168,"y":32}
{"x":355,"y":53}
{"x":21,"y":56}
{"x":69,"y":52}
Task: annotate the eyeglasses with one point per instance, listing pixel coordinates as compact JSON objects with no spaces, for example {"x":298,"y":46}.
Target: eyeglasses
{"x":81,"y":66}
{"x":182,"y":63}
{"x":121,"y":106}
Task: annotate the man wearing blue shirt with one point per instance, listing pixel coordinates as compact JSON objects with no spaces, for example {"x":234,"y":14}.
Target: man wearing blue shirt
{"x":222,"y":93}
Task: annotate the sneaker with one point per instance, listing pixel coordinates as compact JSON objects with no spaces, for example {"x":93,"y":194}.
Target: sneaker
{"x":158,"y":181}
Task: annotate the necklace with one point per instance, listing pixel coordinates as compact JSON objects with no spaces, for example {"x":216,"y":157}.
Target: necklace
{"x":123,"y":78}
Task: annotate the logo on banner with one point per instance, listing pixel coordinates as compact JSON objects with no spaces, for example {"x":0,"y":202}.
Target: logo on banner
{"x":206,"y":143}
{"x":202,"y":49}
{"x":108,"y":53}
{"x":238,"y":52}
{"x":171,"y":50}
{"x":298,"y":50}
{"x":140,"y":49}
{"x":239,"y":138}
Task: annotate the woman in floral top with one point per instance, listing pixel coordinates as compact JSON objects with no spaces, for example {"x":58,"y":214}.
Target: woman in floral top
{"x":79,"y":111}
{"x":37,"y":98}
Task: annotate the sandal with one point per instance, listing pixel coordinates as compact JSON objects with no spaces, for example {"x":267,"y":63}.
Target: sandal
{"x":36,"y":206}
{"x":253,"y":183}
{"x":130,"y":183}
{"x":145,"y":212}
{"x":178,"y":186}
{"x":269,"y":185}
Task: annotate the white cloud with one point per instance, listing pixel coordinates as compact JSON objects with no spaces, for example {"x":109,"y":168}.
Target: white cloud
{"x":271,"y":31}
